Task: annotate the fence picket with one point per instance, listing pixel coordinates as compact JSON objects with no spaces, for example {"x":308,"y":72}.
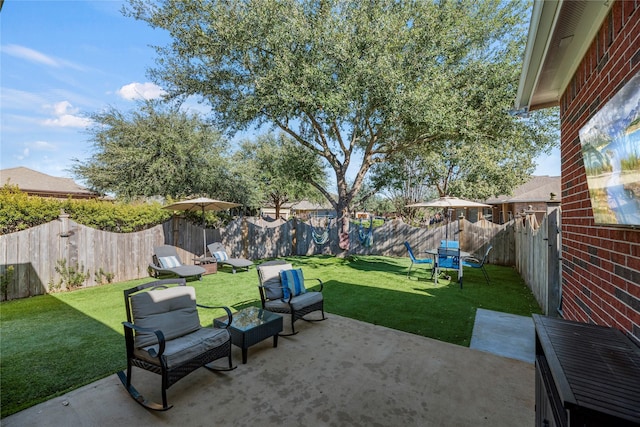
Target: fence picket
{"x":34,"y":253}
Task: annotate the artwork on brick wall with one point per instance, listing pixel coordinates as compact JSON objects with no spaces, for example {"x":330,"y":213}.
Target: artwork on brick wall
{"x":611,"y":152}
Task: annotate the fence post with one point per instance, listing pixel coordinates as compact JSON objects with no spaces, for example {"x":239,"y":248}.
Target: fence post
{"x":294,"y":236}
{"x":554,"y":291}
{"x":245,"y":237}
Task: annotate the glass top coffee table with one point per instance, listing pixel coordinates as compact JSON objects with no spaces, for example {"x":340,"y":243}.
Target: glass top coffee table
{"x":251,"y":325}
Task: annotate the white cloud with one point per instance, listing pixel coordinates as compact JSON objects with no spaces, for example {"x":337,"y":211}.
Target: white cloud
{"x":137,"y":90}
{"x":30,"y":55}
{"x":25,"y":154}
{"x":65,"y":116}
{"x":41,"y":146}
{"x":38,"y":57}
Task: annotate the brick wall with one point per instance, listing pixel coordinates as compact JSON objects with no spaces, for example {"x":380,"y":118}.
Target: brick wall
{"x":601,"y":264}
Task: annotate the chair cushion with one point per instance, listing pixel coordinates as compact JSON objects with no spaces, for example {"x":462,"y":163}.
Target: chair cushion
{"x":169,"y":261}
{"x":270,"y":279}
{"x":183,"y":349}
{"x":299,"y":302}
{"x":221,"y":256}
{"x":172,"y":310}
{"x":449,"y":244}
{"x":292,"y":282}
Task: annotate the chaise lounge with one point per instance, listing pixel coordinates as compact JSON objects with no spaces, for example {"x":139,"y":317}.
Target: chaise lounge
{"x":167,"y":263}
{"x":219,"y":252}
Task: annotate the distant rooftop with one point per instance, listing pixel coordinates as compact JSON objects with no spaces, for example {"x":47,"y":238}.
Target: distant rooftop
{"x":40,"y":184}
{"x":537,"y":189}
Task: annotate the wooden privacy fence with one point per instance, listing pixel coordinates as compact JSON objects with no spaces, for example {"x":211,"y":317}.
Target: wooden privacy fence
{"x":33,"y":254}
{"x":538,"y":256}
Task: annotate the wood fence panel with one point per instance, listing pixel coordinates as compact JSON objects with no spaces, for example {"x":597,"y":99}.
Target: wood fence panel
{"x":34,"y":253}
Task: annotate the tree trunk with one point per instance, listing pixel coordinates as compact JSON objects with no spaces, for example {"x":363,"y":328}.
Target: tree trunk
{"x":343,"y":227}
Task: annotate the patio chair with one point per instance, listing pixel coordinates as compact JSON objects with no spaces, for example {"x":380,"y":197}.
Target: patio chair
{"x":167,"y":263}
{"x":414,"y":260}
{"x":448,"y":259}
{"x":282,"y":290}
{"x":163,"y":335}
{"x":219,"y":252}
{"x":476,"y":263}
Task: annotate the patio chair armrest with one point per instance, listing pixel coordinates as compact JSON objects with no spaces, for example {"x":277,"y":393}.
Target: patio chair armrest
{"x":229,"y":314}
{"x":321,"y":284}
{"x":471,"y":259}
{"x":159,"y":335}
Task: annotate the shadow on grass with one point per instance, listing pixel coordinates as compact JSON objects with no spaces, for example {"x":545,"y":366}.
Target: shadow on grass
{"x":52,"y":349}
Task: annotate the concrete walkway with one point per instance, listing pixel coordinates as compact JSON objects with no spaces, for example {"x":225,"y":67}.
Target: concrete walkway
{"x":504,"y":334}
{"x":340,"y":372}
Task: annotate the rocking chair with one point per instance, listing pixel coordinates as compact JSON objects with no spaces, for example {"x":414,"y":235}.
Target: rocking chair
{"x":163,"y":335}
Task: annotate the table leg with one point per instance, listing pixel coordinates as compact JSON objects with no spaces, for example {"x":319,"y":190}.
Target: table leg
{"x":275,"y":340}
{"x":244,"y":355}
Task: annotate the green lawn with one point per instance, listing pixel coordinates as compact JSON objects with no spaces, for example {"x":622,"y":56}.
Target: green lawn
{"x":54,"y":343}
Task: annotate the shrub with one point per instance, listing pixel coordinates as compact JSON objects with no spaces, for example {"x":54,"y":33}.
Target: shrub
{"x":73,"y":276}
{"x":19,"y":211}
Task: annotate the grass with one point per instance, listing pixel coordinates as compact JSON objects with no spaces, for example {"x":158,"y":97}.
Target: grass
{"x":52,"y":344}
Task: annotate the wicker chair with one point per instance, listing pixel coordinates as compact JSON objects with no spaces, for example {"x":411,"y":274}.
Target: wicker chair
{"x":277,"y":299}
{"x":163,"y":335}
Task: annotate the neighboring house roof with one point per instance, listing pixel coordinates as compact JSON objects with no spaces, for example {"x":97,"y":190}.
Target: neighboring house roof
{"x":40,"y":184}
{"x":559,"y":36}
{"x":537,"y":189}
{"x":305,"y":205}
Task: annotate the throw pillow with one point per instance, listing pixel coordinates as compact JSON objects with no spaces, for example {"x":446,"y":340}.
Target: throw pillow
{"x":169,"y":261}
{"x":292,"y":282}
{"x":221,"y":256}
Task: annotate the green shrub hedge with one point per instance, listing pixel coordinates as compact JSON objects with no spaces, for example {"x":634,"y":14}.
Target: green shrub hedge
{"x":19,"y":211}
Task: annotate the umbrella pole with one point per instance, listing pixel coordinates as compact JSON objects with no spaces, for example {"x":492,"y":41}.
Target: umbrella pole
{"x":204,"y":235}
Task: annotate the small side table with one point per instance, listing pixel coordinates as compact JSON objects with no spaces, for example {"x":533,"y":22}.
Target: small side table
{"x":208,"y":263}
{"x":251,"y":325}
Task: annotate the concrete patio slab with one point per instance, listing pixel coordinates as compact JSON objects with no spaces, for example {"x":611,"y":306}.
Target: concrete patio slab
{"x":340,"y":372}
{"x":504,"y":334}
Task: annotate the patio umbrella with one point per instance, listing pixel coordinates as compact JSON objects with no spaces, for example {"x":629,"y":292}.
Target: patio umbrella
{"x":450,"y":203}
{"x":202,"y":204}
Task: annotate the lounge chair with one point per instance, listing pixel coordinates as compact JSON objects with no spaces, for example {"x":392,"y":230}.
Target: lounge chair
{"x":219,"y":252}
{"x":167,"y":263}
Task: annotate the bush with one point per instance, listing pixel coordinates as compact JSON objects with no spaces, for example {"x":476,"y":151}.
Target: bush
{"x":19,"y":211}
{"x":116,"y":217}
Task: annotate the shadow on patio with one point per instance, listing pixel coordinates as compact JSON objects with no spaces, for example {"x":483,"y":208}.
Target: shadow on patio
{"x":340,"y":372}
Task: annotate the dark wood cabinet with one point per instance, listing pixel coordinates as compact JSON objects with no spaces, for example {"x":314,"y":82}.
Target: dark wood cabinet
{"x":586,"y":375}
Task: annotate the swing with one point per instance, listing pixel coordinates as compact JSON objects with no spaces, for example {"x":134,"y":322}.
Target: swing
{"x":320,"y":238}
{"x":366,"y":237}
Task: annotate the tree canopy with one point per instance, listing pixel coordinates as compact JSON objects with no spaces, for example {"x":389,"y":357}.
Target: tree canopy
{"x":157,"y":150}
{"x":281,"y":169}
{"x":354,"y":82}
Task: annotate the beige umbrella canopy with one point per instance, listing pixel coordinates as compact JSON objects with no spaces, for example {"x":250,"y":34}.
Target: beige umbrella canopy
{"x":202,"y":204}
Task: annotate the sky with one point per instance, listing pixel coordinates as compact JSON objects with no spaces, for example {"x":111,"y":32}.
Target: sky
{"x":63,"y":60}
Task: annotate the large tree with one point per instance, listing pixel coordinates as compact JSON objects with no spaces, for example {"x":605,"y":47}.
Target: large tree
{"x":477,"y":170}
{"x":353,"y":81}
{"x":156,"y":150}
{"x":281,"y":169}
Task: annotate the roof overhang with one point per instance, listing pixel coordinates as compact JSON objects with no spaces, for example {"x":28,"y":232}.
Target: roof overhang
{"x":560,"y":33}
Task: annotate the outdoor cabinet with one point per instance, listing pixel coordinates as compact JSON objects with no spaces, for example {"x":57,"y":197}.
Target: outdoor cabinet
{"x":586,"y":375}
